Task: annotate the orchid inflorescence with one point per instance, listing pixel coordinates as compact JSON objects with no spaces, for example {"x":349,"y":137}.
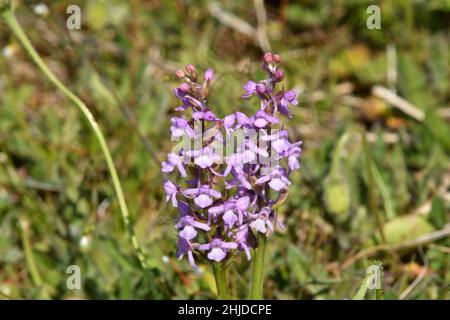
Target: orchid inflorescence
{"x":227,"y":192}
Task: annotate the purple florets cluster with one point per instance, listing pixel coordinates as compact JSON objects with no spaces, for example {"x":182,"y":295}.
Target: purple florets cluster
{"x":226,"y":197}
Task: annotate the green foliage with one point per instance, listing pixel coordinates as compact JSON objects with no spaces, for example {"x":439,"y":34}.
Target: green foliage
{"x":402,"y":229}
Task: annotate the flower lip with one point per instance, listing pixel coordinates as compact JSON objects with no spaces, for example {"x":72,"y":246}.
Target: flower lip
{"x":188,"y":233}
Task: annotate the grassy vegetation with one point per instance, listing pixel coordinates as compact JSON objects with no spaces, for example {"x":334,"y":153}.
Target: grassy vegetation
{"x":375,"y":181}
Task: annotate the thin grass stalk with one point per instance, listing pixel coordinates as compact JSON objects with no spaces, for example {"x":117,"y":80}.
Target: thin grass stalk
{"x":13,"y":24}
{"x":221,"y":281}
{"x":372,"y":188}
{"x":29,"y":257}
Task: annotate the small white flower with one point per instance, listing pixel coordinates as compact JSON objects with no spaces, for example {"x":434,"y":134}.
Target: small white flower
{"x":41,"y":9}
{"x":9,"y":51}
{"x":84,"y":241}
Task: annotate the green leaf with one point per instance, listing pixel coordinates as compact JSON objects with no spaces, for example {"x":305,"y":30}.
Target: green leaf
{"x":439,"y":214}
{"x":406,"y":228}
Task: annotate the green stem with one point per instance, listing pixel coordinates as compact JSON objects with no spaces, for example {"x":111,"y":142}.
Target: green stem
{"x":13,"y":24}
{"x":29,"y":256}
{"x":373,"y":209}
{"x":258,"y":268}
{"x":221,"y":281}
{"x":336,"y":163}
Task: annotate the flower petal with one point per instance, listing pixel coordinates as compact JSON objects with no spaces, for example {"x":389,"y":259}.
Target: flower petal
{"x":217,"y":254}
{"x":203,"y":200}
{"x":277,"y":184}
{"x":188,"y":233}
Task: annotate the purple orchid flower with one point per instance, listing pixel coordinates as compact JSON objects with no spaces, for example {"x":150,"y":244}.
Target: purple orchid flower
{"x":185,"y":247}
{"x":217,"y":249}
{"x":277,"y":179}
{"x":203,"y":196}
{"x":179,"y":92}
{"x":242,"y":119}
{"x":230,"y":218}
{"x":233,"y":210}
{"x":288,"y":97}
{"x":189,"y":221}
{"x":205,"y":157}
{"x":228,"y":123}
{"x":250,"y":89}
{"x":262,"y":221}
{"x":233,"y":217}
{"x":293,"y":152}
{"x":180,"y":127}
{"x":185,"y":104}
{"x":206,"y":115}
{"x":174,"y":160}
{"x":245,"y":240}
{"x":239,"y":179}
{"x":171,"y":192}
{"x":188,"y":233}
{"x":262,"y":119}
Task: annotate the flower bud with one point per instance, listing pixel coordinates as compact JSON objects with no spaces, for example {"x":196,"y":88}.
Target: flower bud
{"x":190,"y":68}
{"x":180,"y":73}
{"x":279,"y":75}
{"x":268,"y":57}
{"x":184,"y":87}
{"x":277,"y":58}
{"x":209,"y":75}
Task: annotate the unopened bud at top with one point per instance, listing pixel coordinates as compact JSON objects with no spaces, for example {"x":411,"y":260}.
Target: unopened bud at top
{"x":268,"y":57}
{"x":180,"y":73}
{"x":190,"y":68}
{"x":277,"y":58}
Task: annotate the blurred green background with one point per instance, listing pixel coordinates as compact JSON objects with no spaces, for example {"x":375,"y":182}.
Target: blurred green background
{"x":375,"y":180}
